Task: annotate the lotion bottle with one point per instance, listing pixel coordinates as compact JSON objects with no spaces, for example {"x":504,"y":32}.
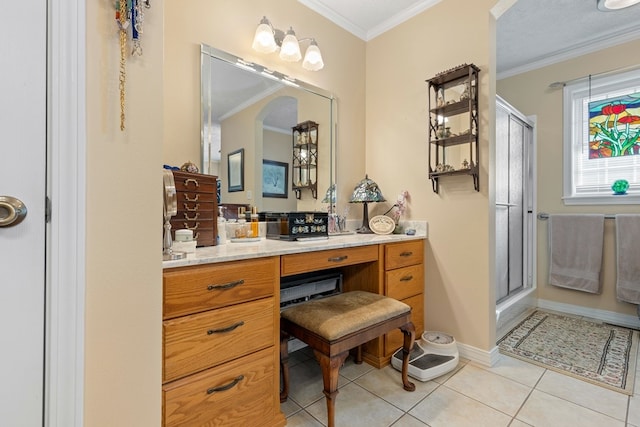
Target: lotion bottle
{"x":255,"y":222}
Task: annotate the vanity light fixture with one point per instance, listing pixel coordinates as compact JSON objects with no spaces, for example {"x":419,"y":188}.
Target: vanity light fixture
{"x":613,"y":5}
{"x":268,"y":39}
{"x":366,"y":191}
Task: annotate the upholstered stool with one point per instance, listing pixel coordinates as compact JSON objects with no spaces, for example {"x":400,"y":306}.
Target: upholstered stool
{"x":334,"y":325}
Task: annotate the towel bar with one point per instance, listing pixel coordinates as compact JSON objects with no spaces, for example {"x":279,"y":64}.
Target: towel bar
{"x":544,"y":216}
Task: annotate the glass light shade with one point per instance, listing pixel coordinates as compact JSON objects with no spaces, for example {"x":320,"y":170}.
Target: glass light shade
{"x":330,"y":196}
{"x":313,"y":58}
{"x":264,"y":40}
{"x":609,"y":5}
{"x":366,"y":191}
{"x":290,"y":49}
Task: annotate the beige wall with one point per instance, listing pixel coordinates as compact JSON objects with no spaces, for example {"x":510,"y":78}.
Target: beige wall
{"x":530,"y":93}
{"x":124,"y":226}
{"x":458,"y":295}
{"x":123,"y":284}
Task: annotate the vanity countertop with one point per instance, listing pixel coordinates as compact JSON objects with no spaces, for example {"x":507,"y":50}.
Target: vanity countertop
{"x":269,"y":247}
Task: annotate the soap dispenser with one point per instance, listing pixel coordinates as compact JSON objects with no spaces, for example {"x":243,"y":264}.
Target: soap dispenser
{"x":222,"y":226}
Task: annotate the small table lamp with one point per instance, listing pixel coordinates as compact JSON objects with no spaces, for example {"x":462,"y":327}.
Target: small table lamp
{"x":365,"y":192}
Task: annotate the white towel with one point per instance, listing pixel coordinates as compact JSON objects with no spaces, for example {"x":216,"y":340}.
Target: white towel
{"x":627,"y":249}
{"x":575,"y":251}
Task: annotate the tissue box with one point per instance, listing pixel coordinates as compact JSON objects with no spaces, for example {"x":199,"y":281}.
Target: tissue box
{"x":296,"y":225}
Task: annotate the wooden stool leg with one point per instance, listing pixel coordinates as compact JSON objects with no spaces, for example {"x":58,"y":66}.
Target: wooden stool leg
{"x":409,"y":332}
{"x":284,"y":365}
{"x":330,"y":373}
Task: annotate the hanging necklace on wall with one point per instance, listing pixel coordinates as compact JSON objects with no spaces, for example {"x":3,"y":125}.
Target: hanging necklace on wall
{"x":123,"y":23}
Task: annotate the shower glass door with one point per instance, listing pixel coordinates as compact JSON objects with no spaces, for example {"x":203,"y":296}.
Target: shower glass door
{"x":513,"y":201}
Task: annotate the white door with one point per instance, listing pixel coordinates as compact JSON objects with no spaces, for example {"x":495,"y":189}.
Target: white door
{"x":23,"y":52}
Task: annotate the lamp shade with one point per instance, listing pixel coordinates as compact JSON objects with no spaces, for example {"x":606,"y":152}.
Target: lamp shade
{"x":313,"y":58}
{"x":330,"y":197}
{"x":290,"y":49}
{"x":264,"y":40}
{"x":365,"y":192}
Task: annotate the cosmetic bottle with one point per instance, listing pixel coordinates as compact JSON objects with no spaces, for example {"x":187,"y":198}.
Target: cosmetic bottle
{"x":222,"y":227}
{"x":255,"y":222}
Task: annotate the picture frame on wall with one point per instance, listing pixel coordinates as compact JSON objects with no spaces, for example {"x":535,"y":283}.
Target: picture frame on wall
{"x":235,"y":170}
{"x":275,"y":179}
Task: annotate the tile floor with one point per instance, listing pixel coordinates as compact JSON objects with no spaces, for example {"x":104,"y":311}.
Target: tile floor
{"x":511,"y":393}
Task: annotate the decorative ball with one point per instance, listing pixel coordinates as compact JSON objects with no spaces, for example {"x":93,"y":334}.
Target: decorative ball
{"x":620,"y":186}
{"x":189,"y":167}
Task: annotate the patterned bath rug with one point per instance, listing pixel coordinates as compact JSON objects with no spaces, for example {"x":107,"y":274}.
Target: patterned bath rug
{"x":592,"y":351}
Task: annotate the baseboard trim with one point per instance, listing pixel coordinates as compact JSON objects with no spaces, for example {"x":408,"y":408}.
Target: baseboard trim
{"x":607,"y":316}
{"x":479,"y":356}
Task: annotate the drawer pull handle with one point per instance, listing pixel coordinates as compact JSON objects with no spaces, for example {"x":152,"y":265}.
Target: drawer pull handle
{"x":195,"y":227}
{"x":195,"y":199}
{"x":225,"y":387}
{"x":195,"y":236}
{"x":338,"y":258}
{"x":407,"y":253}
{"x":227,"y":329}
{"x":406,"y":278}
{"x":189,"y":180}
{"x":195,"y":217}
{"x":187,"y":208}
{"x":225,"y":286}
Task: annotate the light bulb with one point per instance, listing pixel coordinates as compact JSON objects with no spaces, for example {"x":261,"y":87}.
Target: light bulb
{"x":313,"y":58}
{"x":264,"y":40}
{"x":290,"y":49}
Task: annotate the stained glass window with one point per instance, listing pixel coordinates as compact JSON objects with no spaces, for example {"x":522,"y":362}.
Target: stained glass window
{"x":614,"y":127}
{"x":602,"y":139}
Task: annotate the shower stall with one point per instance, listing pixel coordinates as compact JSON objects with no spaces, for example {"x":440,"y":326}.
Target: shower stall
{"x":514,"y":213}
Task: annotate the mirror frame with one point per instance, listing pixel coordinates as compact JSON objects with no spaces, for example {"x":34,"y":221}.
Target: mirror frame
{"x":239,"y":63}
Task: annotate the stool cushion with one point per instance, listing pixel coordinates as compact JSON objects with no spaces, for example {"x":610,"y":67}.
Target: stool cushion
{"x":339,"y":315}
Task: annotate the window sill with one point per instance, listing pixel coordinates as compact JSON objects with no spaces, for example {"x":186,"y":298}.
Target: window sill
{"x":608,"y":199}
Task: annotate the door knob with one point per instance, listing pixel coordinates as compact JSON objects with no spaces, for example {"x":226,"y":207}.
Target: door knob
{"x":12,"y":211}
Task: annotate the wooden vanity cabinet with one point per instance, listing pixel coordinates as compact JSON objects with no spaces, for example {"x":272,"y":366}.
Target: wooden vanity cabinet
{"x":401,"y":271}
{"x":220,"y":344}
{"x":392,"y":269}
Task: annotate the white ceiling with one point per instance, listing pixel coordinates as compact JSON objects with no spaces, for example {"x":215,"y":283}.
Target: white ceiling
{"x":530,"y":34}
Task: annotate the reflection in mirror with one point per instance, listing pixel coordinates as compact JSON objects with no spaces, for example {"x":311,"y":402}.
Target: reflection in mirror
{"x":248,"y":107}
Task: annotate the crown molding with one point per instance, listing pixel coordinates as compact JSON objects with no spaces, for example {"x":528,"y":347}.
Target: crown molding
{"x":584,"y":48}
{"x":362,"y":33}
{"x":400,"y":17}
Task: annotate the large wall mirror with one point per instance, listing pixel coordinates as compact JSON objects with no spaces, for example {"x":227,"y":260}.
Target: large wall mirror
{"x":248,"y":107}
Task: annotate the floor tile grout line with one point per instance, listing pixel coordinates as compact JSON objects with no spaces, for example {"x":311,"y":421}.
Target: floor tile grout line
{"x":515,"y":416}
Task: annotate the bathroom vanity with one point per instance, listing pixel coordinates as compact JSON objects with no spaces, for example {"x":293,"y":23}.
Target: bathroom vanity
{"x":221,"y":314}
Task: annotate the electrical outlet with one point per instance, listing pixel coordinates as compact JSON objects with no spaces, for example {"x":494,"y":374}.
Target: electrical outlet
{"x":249,"y":195}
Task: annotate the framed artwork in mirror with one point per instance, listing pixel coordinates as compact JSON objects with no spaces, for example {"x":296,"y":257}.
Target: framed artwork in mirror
{"x":235,"y":170}
{"x":275,"y":179}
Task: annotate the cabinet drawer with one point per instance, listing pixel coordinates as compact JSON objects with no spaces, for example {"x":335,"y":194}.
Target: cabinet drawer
{"x":405,"y":282}
{"x":194,"y":183}
{"x":394,"y":339}
{"x":192,"y":197}
{"x":194,"y":289}
{"x":194,"y":212}
{"x":398,"y":255}
{"x":238,"y":393}
{"x":199,"y":341}
{"x":322,"y":260}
